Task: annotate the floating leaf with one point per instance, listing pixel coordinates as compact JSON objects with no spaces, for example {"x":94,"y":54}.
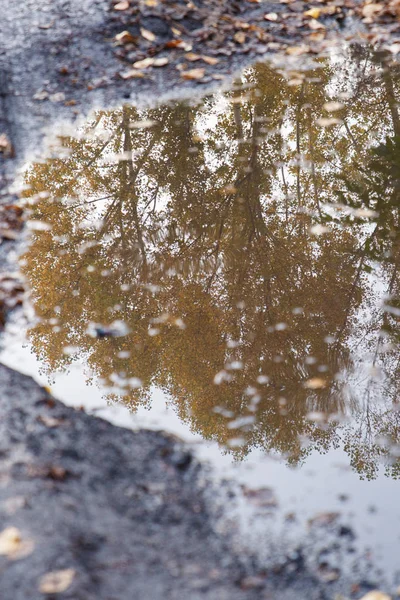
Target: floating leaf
{"x":315,"y":383}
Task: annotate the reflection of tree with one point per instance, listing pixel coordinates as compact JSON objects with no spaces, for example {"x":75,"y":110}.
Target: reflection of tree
{"x":197,"y":235}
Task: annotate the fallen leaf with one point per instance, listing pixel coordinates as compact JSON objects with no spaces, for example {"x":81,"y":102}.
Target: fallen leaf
{"x":327,"y":122}
{"x":5,"y":145}
{"x":148,"y":35}
{"x":271,"y":16}
{"x":56,"y":582}
{"x":124,"y":5}
{"x":315,"y":383}
{"x":298,"y":50}
{"x":125,"y":37}
{"x":160,"y":62}
{"x":143,"y":64}
{"x":314,"y":25}
{"x":210,"y":60}
{"x":13,"y":546}
{"x":240,"y":37}
{"x":132,"y":73}
{"x":192,"y":57}
{"x":333,"y":106}
{"x":193,"y":74}
{"x":371,"y":10}
{"x":314,"y":13}
{"x":376,"y":595}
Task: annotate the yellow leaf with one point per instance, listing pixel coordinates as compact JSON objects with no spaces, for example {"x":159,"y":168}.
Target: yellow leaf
{"x":314,"y":13}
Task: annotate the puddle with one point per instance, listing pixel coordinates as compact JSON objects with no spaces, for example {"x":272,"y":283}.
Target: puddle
{"x":228,"y":270}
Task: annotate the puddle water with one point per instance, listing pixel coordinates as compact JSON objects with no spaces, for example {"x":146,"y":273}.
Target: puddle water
{"x":228,"y":270}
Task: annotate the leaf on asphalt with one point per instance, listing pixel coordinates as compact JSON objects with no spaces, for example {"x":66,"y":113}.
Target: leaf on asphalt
{"x":240,"y":37}
{"x":193,"y":74}
{"x":376,"y":595}
{"x":371,"y":10}
{"x":13,"y":545}
{"x":160,"y":62}
{"x":191,"y":57}
{"x":5,"y":145}
{"x":125,"y":37}
{"x":272,"y":16}
{"x":132,"y":73}
{"x":144,"y":64}
{"x":56,"y":582}
{"x":148,"y":35}
{"x":124,"y":5}
{"x":298,"y":50}
{"x":315,"y":25}
{"x":314,"y":13}
{"x":210,"y":60}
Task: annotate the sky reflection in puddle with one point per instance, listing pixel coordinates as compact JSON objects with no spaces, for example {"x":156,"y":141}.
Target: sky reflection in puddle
{"x":240,"y":256}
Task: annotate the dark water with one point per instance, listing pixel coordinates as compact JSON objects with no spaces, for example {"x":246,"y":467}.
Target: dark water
{"x":239,"y":254}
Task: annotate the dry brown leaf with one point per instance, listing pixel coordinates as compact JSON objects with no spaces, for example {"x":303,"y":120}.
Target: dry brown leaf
{"x":56,"y":582}
{"x":148,"y":35}
{"x":193,"y":74}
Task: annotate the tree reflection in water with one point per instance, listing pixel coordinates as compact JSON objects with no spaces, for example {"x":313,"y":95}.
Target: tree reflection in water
{"x":247,"y":242}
